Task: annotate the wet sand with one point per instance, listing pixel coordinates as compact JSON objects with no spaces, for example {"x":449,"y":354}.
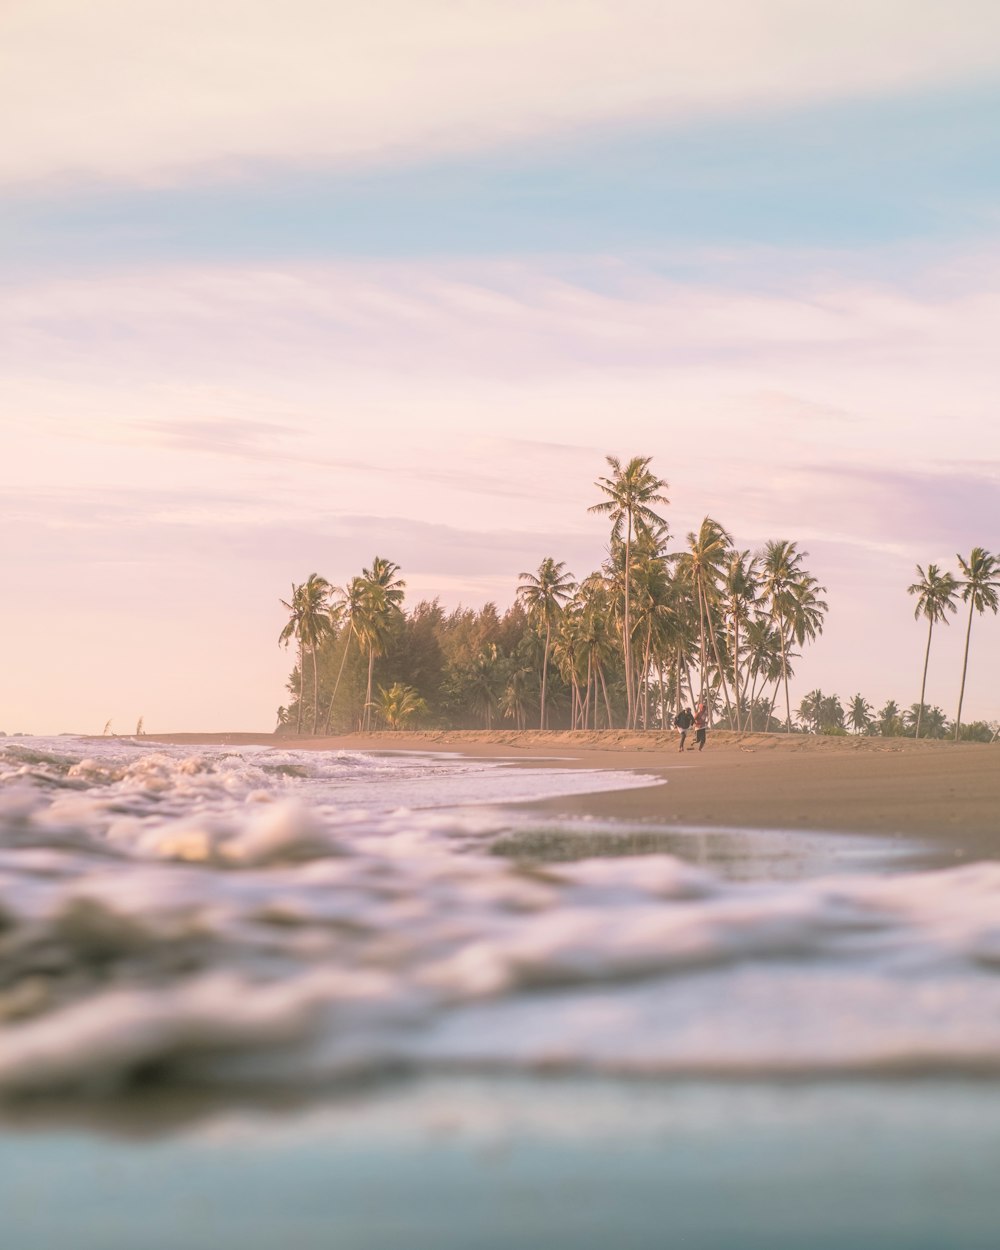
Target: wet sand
{"x":946,"y":793}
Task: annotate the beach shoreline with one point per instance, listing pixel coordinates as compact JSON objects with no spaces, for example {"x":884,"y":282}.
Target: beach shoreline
{"x":945,"y":793}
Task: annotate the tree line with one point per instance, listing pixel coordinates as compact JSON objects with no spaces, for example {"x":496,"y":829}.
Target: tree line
{"x":623,"y":647}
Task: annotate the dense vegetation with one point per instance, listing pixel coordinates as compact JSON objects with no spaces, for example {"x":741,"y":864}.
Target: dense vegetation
{"x":625,"y":646}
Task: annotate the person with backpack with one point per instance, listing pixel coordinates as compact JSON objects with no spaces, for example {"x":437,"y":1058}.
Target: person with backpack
{"x":683,"y":720}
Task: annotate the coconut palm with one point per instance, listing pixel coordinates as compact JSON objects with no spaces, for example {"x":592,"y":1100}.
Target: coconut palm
{"x":981,"y":579}
{"x":936,"y":596}
{"x":932,"y":719}
{"x":631,"y":492}
{"x":514,"y":697}
{"x":483,"y":679}
{"x":350,"y":609}
{"x":594,"y":598}
{"x":859,"y":714}
{"x":400,"y":704}
{"x":310,"y":622}
{"x":890,"y":722}
{"x":709,"y":552}
{"x":381,"y":594}
{"x":794,"y":601}
{"x":740,"y":590}
{"x":543,"y":594}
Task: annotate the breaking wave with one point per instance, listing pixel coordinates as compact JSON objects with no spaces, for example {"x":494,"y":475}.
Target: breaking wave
{"x":274,"y":919}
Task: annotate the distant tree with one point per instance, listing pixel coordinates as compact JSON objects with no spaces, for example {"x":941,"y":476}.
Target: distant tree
{"x":859,"y":714}
{"x":822,"y":713}
{"x":890,"y":722}
{"x":936,"y":596}
{"x":981,"y":578}
{"x":544,"y":593}
{"x":310,"y":621}
{"x":380,"y":599}
{"x":795,"y":606}
{"x":631,"y":492}
{"x":931,"y":718}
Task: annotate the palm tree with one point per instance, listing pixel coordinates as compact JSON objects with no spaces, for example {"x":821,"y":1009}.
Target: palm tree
{"x":379,"y":608}
{"x":981,"y":573}
{"x":400,"y":704}
{"x":795,"y":604}
{"x":350,"y":607}
{"x":932,"y":718}
{"x":740,"y":596}
{"x":631,"y":493}
{"x":484,"y":676}
{"x":310,"y":622}
{"x":936,"y":596}
{"x":810,"y":710}
{"x":543,"y":594}
{"x":709,"y":551}
{"x":860,"y":714}
{"x":890,"y":722}
{"x":514,"y":697}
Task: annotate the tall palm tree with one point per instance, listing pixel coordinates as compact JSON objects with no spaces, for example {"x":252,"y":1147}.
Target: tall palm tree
{"x":381,"y":597}
{"x":981,"y":579}
{"x":709,"y":551}
{"x":739,"y":597}
{"x":936,"y":593}
{"x":543,"y":594}
{"x":310,"y":622}
{"x":350,"y":608}
{"x":631,"y":491}
{"x":792,"y":593}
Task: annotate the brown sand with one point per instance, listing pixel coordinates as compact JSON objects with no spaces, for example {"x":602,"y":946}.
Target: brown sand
{"x":943,"y":791}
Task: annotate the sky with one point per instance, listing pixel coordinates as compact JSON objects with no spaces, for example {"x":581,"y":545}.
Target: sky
{"x":283,"y":288}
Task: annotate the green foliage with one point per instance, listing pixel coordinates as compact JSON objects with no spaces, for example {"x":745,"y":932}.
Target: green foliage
{"x":648,"y":632}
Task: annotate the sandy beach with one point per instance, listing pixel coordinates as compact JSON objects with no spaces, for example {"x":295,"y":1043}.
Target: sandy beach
{"x":947,"y":793}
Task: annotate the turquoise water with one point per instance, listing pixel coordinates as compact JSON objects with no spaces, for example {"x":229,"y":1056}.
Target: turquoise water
{"x":495,"y":1164}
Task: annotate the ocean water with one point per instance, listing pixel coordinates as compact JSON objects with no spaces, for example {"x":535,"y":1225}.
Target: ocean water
{"x":258,"y":996}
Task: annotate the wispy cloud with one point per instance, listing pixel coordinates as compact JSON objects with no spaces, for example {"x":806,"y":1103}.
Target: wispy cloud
{"x":149,"y":90}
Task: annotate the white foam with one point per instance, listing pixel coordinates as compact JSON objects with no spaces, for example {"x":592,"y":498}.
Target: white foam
{"x":280,"y":917}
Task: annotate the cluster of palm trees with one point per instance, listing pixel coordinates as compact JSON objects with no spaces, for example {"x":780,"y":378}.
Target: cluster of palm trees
{"x":367,"y":607}
{"x":938,"y":594}
{"x":623,"y":647}
{"x":709,"y":622}
{"x":820,"y":713}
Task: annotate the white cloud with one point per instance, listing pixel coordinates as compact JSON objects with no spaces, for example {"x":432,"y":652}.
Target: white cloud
{"x":147,"y":90}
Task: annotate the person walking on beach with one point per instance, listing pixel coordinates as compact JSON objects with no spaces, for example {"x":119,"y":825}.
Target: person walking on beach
{"x":700,"y":726}
{"x":683,"y":720}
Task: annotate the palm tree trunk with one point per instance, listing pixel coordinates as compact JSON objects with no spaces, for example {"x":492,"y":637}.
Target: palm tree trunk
{"x":736,"y":672}
{"x":645,"y":674}
{"x":718,"y":661}
{"x":663,"y":693}
{"x":314,"y":650}
{"x":607,"y":701}
{"x":627,"y":641}
{"x":701,"y":636}
{"x":784,"y":677}
{"x":368,"y":695}
{"x":965,"y":665}
{"x":298,"y":710}
{"x":336,"y":685}
{"x":923,"y":684}
{"x":545,"y":671}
